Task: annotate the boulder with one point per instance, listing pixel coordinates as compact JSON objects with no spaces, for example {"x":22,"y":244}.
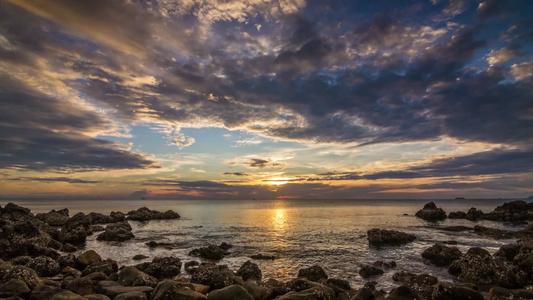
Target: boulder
{"x":313,"y":273}
{"x":76,"y":229}
{"x":474,"y":214}
{"x":131,"y":276}
{"x":476,"y":266}
{"x":216,"y":277}
{"x":139,"y":257}
{"x":68,"y":295}
{"x":445,"y":291}
{"x":42,"y":292}
{"x":499,"y":293}
{"x":54,"y":217}
{"x":191,"y":266}
{"x":88,"y":257}
{"x":21,"y":260}
{"x":431,"y":212}
{"x":257,"y":290}
{"x":145,"y":214}
{"x":25,"y":274}
{"x":212,"y":252}
{"x":134,"y":295}
{"x":96,"y":297}
{"x":422,"y":285}
{"x":68,"y":260}
{"x":107,"y":267}
{"x":319,"y":292}
{"x":44,"y":266}
{"x":511,"y":211}
{"x":161,"y":267}
{"x":118,"y":232}
{"x":15,"y":287}
{"x":249,"y":270}
{"x":232,"y":292}
{"x":457,"y":215}
{"x":112,"y":288}
{"x":384,"y":264}
{"x":495,"y":233}
{"x":403,"y":293}
{"x":170,"y":290}
{"x":262,"y":256}
{"x":441,"y":255}
{"x":380,"y":237}
{"x":82,"y":286}
{"x":368,"y":271}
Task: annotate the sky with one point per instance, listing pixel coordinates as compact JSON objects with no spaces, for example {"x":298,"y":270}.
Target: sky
{"x":266,"y":99}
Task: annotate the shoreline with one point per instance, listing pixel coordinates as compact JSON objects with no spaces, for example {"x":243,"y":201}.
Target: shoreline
{"x":74,"y":230}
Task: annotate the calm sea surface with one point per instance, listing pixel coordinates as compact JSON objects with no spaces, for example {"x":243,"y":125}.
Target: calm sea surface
{"x":299,"y":233}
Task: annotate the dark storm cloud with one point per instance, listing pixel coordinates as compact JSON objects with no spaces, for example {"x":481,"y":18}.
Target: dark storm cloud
{"x":55,"y":179}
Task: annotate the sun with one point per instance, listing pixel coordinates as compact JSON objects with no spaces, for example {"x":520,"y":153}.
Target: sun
{"x":278,"y":180}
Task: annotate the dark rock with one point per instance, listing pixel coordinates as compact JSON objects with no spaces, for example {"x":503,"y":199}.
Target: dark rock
{"x":25,"y":274}
{"x":54,"y":218}
{"x":529,"y":226}
{"x":170,"y":290}
{"x":430,"y":212}
{"x":97,"y":228}
{"x":261,"y":256}
{"x":98,"y":218}
{"x":368,"y":271}
{"x":44,"y":266}
{"x":495,"y":233}
{"x":82,"y":286}
{"x":456,"y":228}
{"x":457,"y":215}
{"x":117,"y":216}
{"x":191,"y":266}
{"x":162,"y":267}
{"x":338,"y":285}
{"x":476,"y":266}
{"x":68,"y":295}
{"x":511,"y":211}
{"x":441,"y":255}
{"x":145,"y":214}
{"x":278,"y":288}
{"x":380,"y":237}
{"x":112,"y":288}
{"x":446,"y":291}
{"x":116,"y":232}
{"x":319,"y":292}
{"x":384,"y":264}
{"x":14,"y":212}
{"x":403,"y":293}
{"x":97,"y":297}
{"x":135,"y":295}
{"x":131,"y":276}
{"x":43,"y":292}
{"x":474,"y":214}
{"x":421,"y":284}
{"x":139,"y":257}
{"x":225,"y":246}
{"x":76,"y":229}
{"x":15,"y":287}
{"x":69,"y":248}
{"x":257,"y":290}
{"x":216,"y":277}
{"x":212,"y":252}
{"x":107,"y":267}
{"x":313,"y":273}
{"x":70,"y":271}
{"x":88,"y":257}
{"x":54,"y":244}
{"x":21,"y":260}
{"x":508,"y":252}
{"x":24,"y":237}
{"x":68,"y":260}
{"x":152,"y":244}
{"x":249,"y":270}
{"x":499,"y":293}
{"x":364,"y":294}
{"x":232,"y":292}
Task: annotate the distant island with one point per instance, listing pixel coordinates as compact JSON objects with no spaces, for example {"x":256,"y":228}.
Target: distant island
{"x":460,"y":198}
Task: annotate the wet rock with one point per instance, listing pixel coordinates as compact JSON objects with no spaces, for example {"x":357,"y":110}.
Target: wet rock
{"x":258,"y":292}
{"x":135,"y":295}
{"x":43,"y":292}
{"x":15,"y":212}
{"x":145,"y":214}
{"x":474,"y":214}
{"x":368,"y":271}
{"x":5,"y":268}
{"x":70,"y":271}
{"x":232,"y":292}
{"x":508,"y":252}
{"x":118,"y":232}
{"x":76,"y":229}
{"x":131,"y":276}
{"x":68,"y":295}
{"x":313,"y":273}
{"x":25,"y":274}
{"x":161,"y":267}
{"x":69,"y":248}
{"x":441,"y":255}
{"x":456,"y":228}
{"x":476,"y":266}
{"x":278,"y":288}
{"x":403,"y":293}
{"x":499,"y":293}
{"x":82,"y":286}
{"x":44,"y":266}
{"x":212,"y":252}
{"x":88,"y":257}
{"x":262,"y":256}
{"x":54,"y":217}
{"x":445,"y":291}
{"x":364,"y":294}
{"x":170,"y":290}
{"x":97,"y":228}
{"x":21,"y":260}
{"x":97,"y":297}
{"x":152,"y":244}
{"x":15,"y":287}
{"x":191,"y":266}
{"x":225,"y":246}
{"x":384,"y":264}
{"x":249,"y":270}
{"x":112,"y":288}
{"x":68,"y":260}
{"x":495,"y":233}
{"x":457,"y":215}
{"x":107,"y":267}
{"x":430,"y":212}
{"x":216,"y":277}
{"x":98,"y":218}
{"x":511,"y":211}
{"x":421,"y":284}
{"x":379,"y":237}
{"x":25,"y":237}
{"x":319,"y":292}
{"x":338,"y":285}
{"x":529,"y":226}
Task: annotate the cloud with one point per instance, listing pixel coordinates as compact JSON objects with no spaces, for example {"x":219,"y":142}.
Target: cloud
{"x":140,"y":194}
{"x":522,"y":71}
{"x":55,"y":179}
{"x":456,"y":7}
{"x":236,"y":174}
{"x":502,"y":55}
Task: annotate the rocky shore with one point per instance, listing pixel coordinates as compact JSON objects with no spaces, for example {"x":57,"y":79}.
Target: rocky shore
{"x":37,"y":262}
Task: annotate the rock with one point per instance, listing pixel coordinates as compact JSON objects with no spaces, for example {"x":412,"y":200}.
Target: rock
{"x":384,"y":264}
{"x":445,"y":291}
{"x":15,"y":287}
{"x":380,"y":237}
{"x":456,"y":228}
{"x":70,"y":271}
{"x":68,"y":260}
{"x":21,"y":260}
{"x":98,"y":218}
{"x":212,"y":252}
{"x":131,"y":276}
{"x":457,"y":215}
{"x":476,"y":266}
{"x":474,"y":214}
{"x":88,"y":257}
{"x":495,"y":233}
{"x":139,"y":257}
{"x":25,"y":274}
{"x":511,"y":211}
{"x":232,"y":292}
{"x":216,"y":277}
{"x":54,"y":218}
{"x":82,"y":286}
{"x":256,"y":291}
{"x":118,"y":216}
{"x":135,"y":295}
{"x":320,"y":292}
{"x":249,"y":270}
{"x":24,"y":237}
{"x":76,"y":229}
{"x":368,"y":271}
{"x":529,"y":226}
{"x":170,"y":290}
{"x":145,"y":214}
{"x":403,"y":293}
{"x":364,"y":294}
{"x":68,"y":295}
{"x":69,"y":248}
{"x":421,"y":284}
{"x":107,"y":267}
{"x":112,"y":288}
{"x":225,"y":246}
{"x":161,"y":267}
{"x":14,"y":212}
{"x":441,"y":255}
{"x":42,"y":292}
{"x":116,"y":232}
{"x":97,"y":297}
{"x":5,"y":268}
{"x":44,"y":266}
{"x":278,"y":288}
{"x":152,"y":244}
{"x":262,"y":256}
{"x":508,"y":252}
{"x":499,"y":293}
{"x":338,"y":285}
{"x":313,"y":273}
{"x":191,"y":266}
{"x":430,"y":212}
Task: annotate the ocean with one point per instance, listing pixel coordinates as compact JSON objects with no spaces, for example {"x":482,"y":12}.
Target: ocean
{"x":300,"y":233}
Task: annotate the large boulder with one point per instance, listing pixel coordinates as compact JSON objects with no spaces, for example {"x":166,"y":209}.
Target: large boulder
{"x":499,"y":293}
{"x":82,"y":286}
{"x":232,"y":292}
{"x":118,"y":232}
{"x":171,"y":290}
{"x":212,"y":252}
{"x":29,"y":276}
{"x":107,"y":267}
{"x":431,"y":212}
{"x":445,"y":291}
{"x":367,"y":271}
{"x":474,"y":214}
{"x":54,"y":217}
{"x":68,"y":295}
{"x":131,"y":276}
{"x":381,"y":237}
{"x":161,"y":267}
{"x":76,"y":229}
{"x":112,"y":289}
{"x":441,"y":255}
{"x":422,"y":284}
{"x":476,"y":266}
{"x":24,"y":237}
{"x":44,"y":266}
{"x":511,"y":211}
{"x":216,"y":277}
{"x":88,"y":257}
{"x":249,"y":270}
{"x":313,"y":273}
{"x":318,"y":292}
{"x":15,"y":287}
{"x":145,"y":214}
{"x":134,"y":295}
